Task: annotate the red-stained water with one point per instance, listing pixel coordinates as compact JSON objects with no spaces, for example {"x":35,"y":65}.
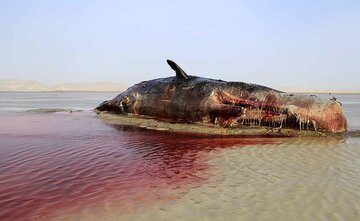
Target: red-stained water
{"x":51,"y":164}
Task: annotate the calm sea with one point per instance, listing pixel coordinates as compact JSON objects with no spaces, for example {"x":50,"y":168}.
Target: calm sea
{"x":72,"y":166}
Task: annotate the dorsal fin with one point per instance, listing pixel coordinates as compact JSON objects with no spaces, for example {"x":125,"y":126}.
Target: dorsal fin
{"x":180,"y":73}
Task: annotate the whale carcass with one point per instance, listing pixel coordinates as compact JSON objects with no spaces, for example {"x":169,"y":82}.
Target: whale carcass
{"x":186,"y":99}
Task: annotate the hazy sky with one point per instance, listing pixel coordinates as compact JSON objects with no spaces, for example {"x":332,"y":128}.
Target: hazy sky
{"x":306,"y":44}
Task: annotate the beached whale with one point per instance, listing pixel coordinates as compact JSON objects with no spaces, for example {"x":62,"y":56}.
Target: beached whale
{"x":190,"y":99}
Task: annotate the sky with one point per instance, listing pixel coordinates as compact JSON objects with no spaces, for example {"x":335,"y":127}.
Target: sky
{"x":295,"y":44}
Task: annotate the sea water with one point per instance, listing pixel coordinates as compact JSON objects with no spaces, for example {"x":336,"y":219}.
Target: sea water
{"x":72,"y":166}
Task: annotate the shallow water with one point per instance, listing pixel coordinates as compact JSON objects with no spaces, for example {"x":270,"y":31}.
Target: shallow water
{"x":71,"y":166}
{"x":23,"y":101}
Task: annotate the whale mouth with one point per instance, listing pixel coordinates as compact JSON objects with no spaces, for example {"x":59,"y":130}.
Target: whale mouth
{"x":261,"y":115}
{"x":275,"y":113}
{"x":265,"y":116}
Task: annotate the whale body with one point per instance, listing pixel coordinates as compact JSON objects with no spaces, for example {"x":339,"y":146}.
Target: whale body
{"x":191,"y":99}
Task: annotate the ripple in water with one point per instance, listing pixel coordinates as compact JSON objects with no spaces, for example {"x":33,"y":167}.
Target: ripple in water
{"x":55,"y":164}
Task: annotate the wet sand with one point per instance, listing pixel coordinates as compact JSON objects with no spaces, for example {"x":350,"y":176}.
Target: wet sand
{"x":207,"y":129}
{"x":72,"y":166}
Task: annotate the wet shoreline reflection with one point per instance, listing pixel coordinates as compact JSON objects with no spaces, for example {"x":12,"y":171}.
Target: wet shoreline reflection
{"x":53,"y":164}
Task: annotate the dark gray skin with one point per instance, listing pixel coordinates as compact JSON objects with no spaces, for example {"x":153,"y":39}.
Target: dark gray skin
{"x":190,"y":99}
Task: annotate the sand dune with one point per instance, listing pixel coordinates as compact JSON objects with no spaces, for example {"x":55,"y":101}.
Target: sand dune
{"x":30,"y":85}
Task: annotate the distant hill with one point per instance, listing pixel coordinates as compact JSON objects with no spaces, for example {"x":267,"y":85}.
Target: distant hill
{"x":29,"y":85}
{"x":319,"y":91}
